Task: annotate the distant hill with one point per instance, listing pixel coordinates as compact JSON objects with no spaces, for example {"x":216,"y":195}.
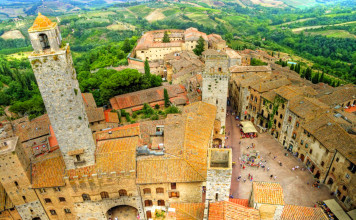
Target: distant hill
{"x":13,"y":9}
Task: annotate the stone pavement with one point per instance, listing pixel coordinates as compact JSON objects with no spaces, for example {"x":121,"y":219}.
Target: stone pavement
{"x":295,"y":188}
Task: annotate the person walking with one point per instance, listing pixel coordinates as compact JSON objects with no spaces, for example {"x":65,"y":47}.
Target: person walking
{"x":244,"y":180}
{"x":267,"y":169}
{"x":275,"y":177}
{"x":271,"y":176}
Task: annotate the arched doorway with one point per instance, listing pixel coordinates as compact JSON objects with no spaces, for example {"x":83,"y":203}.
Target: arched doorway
{"x":330,"y":181}
{"x":317,"y":175}
{"x":302,"y":157}
{"x":122,"y":212}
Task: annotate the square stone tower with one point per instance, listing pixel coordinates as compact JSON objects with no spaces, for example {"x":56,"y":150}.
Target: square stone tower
{"x":55,"y":74}
{"x":216,"y":82}
{"x":219,"y":174}
{"x":15,"y":176}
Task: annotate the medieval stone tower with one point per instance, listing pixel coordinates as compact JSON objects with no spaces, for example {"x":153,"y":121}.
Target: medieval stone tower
{"x":15,"y":176}
{"x":55,"y":74}
{"x":219,"y":174}
{"x":216,"y":82}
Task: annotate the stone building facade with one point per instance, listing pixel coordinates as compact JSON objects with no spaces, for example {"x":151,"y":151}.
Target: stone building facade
{"x":16,"y":178}
{"x":54,"y":70}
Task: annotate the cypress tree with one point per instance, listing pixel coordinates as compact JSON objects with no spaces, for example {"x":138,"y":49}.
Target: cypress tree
{"x":147,"y":69}
{"x":322,"y":77}
{"x":166,"y":98}
{"x":292,"y":67}
{"x":308,"y":73}
{"x":165,"y":38}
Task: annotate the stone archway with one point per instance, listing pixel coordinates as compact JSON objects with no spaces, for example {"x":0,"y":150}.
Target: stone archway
{"x":122,"y":212}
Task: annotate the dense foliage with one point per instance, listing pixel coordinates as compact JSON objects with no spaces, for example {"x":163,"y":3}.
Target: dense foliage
{"x":106,"y":83}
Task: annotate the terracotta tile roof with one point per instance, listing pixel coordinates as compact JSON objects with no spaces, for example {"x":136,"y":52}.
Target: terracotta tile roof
{"x":52,"y":139}
{"x":48,"y":171}
{"x":288,"y":92}
{"x":270,"y":95}
{"x":214,"y":52}
{"x":111,"y":116}
{"x":233,"y":54}
{"x":269,"y":85}
{"x":307,"y":108}
{"x":215,"y":38}
{"x":340,"y":95}
{"x":293,"y":212}
{"x":147,"y":40}
{"x":42,"y":23}
{"x":163,"y":169}
{"x":192,"y":34}
{"x":332,"y":136}
{"x":186,"y":141}
{"x":138,"y":98}
{"x":115,"y":155}
{"x":268,"y":193}
{"x":243,"y":202}
{"x":89,"y":100}
{"x":95,"y":114}
{"x":35,"y":128}
{"x":244,"y":69}
{"x":148,"y":129}
{"x":119,"y":132}
{"x":188,"y":211}
{"x":231,"y":211}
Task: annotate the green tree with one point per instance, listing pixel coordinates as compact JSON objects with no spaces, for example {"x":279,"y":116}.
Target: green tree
{"x":166,"y":98}
{"x":228,"y":37}
{"x":322,"y":77}
{"x":165,"y":37}
{"x":199,"y":49}
{"x":297,"y":68}
{"x":292,"y":67}
{"x":315,"y":78}
{"x":126,"y":46}
{"x":308,"y":73}
{"x":147,"y":69}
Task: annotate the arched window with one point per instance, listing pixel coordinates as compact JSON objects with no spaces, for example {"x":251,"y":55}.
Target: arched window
{"x":122,"y":192}
{"x":147,"y":191}
{"x":159,"y":190}
{"x":48,"y":200}
{"x":104,"y":195}
{"x":44,"y":41}
{"x":86,"y":197}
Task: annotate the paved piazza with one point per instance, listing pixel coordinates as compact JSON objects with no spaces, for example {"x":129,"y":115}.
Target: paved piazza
{"x":295,"y":188}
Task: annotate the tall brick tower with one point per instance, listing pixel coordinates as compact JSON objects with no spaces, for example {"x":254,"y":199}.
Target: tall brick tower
{"x":55,"y":74}
{"x":216,"y":82}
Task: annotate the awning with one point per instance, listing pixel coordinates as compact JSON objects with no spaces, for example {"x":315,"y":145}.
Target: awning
{"x":336,"y":209}
{"x":352,"y":213}
{"x":248,"y":127}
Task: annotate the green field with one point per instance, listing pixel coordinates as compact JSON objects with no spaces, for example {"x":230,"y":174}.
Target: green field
{"x":333,"y":33}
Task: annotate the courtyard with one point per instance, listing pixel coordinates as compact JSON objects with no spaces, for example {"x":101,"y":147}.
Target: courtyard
{"x":297,"y":184}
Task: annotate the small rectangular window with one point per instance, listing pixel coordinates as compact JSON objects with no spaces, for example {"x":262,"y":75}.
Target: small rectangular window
{"x":53,"y":212}
{"x":173,"y":186}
